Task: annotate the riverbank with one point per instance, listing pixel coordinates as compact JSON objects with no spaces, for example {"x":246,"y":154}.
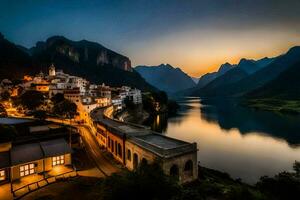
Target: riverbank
{"x":136,"y":115}
{"x":275,"y":105}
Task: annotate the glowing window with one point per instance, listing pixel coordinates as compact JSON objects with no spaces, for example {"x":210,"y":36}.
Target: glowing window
{"x":58,"y":160}
{"x":2,"y":175}
{"x":26,"y":170}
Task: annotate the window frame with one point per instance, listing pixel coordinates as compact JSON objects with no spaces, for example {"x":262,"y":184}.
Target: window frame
{"x":27,"y":169}
{"x":2,"y":175}
{"x":58,"y":160}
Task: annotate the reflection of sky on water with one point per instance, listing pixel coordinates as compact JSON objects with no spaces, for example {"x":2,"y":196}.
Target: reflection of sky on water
{"x":242,"y":142}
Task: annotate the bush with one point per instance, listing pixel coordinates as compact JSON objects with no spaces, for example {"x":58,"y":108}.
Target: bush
{"x":147,"y":182}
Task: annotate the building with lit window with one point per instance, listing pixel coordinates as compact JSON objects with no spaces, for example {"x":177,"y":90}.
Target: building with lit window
{"x":35,"y":158}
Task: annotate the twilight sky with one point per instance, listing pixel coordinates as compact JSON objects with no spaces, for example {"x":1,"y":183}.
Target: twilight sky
{"x":195,"y":35}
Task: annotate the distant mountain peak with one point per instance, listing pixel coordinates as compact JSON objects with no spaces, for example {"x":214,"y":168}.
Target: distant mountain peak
{"x":166,"y":77}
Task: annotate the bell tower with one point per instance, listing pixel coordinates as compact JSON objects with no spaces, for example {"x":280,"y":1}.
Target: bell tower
{"x":52,"y":70}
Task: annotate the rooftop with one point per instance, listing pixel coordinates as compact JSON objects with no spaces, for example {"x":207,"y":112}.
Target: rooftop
{"x":25,"y":153}
{"x":55,"y":147}
{"x":162,"y":141}
{"x":11,"y":121}
{"x":4,"y":159}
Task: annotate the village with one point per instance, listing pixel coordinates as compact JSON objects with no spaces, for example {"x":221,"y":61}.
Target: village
{"x":41,"y":139}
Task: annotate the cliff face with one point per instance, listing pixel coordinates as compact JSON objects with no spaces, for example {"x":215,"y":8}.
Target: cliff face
{"x":81,"y":58}
{"x":80,"y":52}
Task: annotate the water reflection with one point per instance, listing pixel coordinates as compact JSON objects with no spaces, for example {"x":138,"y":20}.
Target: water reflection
{"x":243,"y":142}
{"x":229,"y":114}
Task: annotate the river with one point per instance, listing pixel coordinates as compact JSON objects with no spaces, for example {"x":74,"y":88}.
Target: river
{"x":243,"y":142}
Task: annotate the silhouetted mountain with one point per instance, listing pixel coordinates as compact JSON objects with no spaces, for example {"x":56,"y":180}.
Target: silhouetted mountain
{"x":196,"y":80}
{"x":286,"y":86}
{"x":207,"y":78}
{"x":232,"y":82}
{"x":83,"y":58}
{"x":14,"y":63}
{"x":166,"y":77}
{"x":263,"y":76}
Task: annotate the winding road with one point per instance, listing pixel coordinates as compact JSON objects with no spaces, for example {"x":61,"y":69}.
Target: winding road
{"x":93,"y":149}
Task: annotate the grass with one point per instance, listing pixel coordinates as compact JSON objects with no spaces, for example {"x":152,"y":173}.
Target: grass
{"x":275,"y":105}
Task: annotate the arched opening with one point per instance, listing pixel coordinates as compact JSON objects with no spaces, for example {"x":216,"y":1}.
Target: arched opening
{"x":174,"y":171}
{"x":135,"y":161}
{"x":119,"y":150}
{"x":188,"y":168}
{"x":128,"y":154}
{"x":108,"y":142}
{"x":112,"y":146}
{"x":116,"y":146}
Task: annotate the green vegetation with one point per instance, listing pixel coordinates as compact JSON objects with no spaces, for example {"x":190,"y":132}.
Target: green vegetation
{"x":2,"y":111}
{"x":149,"y":182}
{"x":65,"y":108}
{"x":158,"y":102}
{"x":275,"y":105}
{"x":30,"y":99}
{"x":5,"y":96}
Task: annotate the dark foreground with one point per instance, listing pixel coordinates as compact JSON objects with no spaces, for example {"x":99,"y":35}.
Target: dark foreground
{"x":149,"y":182}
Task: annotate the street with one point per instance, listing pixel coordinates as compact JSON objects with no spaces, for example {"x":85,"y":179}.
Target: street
{"x":93,"y":149}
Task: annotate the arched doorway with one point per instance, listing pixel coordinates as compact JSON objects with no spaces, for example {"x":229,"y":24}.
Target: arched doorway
{"x":119,"y":150}
{"x":188,"y":168}
{"x":135,"y":161}
{"x":174,"y":171}
{"x":129,"y":155}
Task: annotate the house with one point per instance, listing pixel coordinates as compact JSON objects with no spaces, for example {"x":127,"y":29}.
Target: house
{"x":20,"y":160}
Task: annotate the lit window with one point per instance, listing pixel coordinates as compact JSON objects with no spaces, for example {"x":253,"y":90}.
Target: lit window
{"x":26,"y":170}
{"x":58,"y":160}
{"x":2,"y":175}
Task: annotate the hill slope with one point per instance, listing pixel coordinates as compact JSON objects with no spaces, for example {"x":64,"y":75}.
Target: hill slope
{"x":82,"y":58}
{"x":281,"y":94}
{"x":14,"y":63}
{"x":166,"y":77}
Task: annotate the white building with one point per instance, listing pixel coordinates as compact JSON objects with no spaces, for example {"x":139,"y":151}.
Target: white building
{"x":135,"y":96}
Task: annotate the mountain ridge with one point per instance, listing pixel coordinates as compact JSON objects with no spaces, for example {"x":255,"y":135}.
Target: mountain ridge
{"x":82,"y":58}
{"x":166,"y":77}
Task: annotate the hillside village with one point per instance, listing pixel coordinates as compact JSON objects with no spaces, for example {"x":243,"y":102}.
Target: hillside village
{"x":85,"y":95}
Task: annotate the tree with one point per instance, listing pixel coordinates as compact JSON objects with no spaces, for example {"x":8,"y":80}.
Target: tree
{"x":66,"y":109}
{"x":5,"y":95}
{"x":31,"y":99}
{"x":40,"y":115}
{"x":3,"y":112}
{"x":296,"y":167}
{"x":147,"y":182}
{"x":129,"y":104}
{"x":59,"y":97}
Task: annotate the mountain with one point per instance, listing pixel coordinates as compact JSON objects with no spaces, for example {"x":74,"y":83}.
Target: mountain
{"x":82,"y":58}
{"x":207,"y":78}
{"x":286,"y":86}
{"x":166,"y":78}
{"x":263,"y":76}
{"x":14,"y":63}
{"x":221,"y":85}
{"x":196,"y":80}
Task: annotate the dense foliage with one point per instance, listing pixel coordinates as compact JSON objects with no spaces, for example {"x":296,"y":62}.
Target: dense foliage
{"x":65,"y":108}
{"x":147,"y":182}
{"x":31,"y":99}
{"x":156,"y":102}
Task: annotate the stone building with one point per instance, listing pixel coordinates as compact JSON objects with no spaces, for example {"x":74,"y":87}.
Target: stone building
{"x":132,"y":144}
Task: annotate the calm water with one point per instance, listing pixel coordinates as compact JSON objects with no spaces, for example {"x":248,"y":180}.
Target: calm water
{"x":245,"y":143}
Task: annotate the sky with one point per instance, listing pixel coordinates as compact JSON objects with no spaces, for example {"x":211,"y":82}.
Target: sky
{"x":195,"y":35}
